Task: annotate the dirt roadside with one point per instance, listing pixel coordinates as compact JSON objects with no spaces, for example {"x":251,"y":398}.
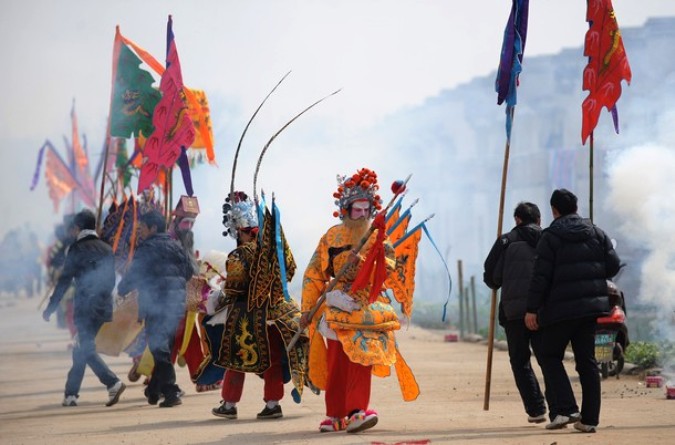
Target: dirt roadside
{"x":449,"y":410}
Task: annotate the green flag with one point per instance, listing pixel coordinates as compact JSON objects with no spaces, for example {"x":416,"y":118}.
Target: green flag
{"x":133,"y":97}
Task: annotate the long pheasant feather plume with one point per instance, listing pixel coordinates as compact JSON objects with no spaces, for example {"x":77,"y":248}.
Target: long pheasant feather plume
{"x":274,"y":136}
{"x":236,"y":153}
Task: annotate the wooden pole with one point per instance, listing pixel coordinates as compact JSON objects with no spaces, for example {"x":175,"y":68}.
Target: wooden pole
{"x":103,"y":178}
{"x":467,"y":311}
{"x":590,"y":179}
{"x":460,"y":286}
{"x":493,"y":298}
{"x":473,"y":304}
{"x":116,"y":53}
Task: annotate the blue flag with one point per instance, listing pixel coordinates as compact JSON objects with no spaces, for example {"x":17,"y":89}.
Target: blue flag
{"x":510,"y":62}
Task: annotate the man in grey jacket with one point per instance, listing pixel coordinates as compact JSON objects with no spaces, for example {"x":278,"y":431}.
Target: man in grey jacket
{"x":509,"y":266}
{"x":567,"y":294}
{"x":90,"y":262}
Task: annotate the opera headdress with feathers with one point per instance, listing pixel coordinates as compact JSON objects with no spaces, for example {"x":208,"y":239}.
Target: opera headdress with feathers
{"x":361,"y":186}
{"x":239,"y":212}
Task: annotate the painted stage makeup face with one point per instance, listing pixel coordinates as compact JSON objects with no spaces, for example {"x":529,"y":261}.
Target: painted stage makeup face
{"x":360,"y":210}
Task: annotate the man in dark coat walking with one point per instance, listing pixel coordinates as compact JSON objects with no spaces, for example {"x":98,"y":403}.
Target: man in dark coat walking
{"x":159,"y":270}
{"x":567,"y":294}
{"x":90,"y":262}
{"x":509,"y":266}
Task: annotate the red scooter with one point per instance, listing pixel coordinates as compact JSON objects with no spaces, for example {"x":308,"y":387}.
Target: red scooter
{"x":611,"y":335}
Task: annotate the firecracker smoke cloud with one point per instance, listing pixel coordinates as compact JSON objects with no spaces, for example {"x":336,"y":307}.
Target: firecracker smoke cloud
{"x":642,"y":184}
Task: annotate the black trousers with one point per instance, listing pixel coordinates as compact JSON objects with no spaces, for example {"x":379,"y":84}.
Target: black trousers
{"x":519,"y":339}
{"x":555,"y":338}
{"x":161,"y":334}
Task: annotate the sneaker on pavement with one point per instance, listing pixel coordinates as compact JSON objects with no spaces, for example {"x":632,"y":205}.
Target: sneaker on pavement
{"x":168,"y":402}
{"x":585,"y":428}
{"x":222,"y":411}
{"x":114,"y":393}
{"x":537,"y":419}
{"x":331,"y":424}
{"x":561,"y":421}
{"x":361,"y":421}
{"x":69,"y":401}
{"x":270,"y":413}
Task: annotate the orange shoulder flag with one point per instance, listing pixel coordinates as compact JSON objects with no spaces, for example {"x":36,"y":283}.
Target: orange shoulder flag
{"x":402,"y":281}
{"x":393,"y":216}
{"x":399,"y":228}
{"x":607,"y":65}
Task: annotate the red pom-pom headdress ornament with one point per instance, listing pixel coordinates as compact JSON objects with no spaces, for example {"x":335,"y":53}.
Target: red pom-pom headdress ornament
{"x":361,"y":186}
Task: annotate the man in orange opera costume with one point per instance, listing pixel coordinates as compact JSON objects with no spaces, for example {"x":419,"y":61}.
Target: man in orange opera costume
{"x":356,"y":321}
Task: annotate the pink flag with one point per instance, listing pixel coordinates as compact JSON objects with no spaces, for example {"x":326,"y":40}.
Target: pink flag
{"x":173,"y":127}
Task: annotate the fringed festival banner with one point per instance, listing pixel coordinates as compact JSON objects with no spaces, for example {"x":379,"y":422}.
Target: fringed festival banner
{"x":133,"y":97}
{"x":173,"y":126}
{"x":510,"y":62}
{"x":607,"y":66}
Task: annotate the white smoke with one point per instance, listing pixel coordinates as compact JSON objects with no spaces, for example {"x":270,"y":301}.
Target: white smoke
{"x":642,"y":181}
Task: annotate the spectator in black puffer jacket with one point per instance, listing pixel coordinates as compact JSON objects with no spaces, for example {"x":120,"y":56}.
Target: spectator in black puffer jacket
{"x":159,"y":270}
{"x":509,"y":266}
{"x":89,"y":261}
{"x":567,"y":294}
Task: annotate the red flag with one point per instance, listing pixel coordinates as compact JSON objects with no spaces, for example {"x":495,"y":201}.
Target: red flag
{"x":607,"y":65}
{"x":173,"y":126}
{"x":374,"y":263}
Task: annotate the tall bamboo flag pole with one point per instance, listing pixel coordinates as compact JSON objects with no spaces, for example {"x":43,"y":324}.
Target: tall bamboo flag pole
{"x":493,"y":297}
{"x":116,"y":55}
{"x":513,"y":48}
{"x":607,"y":67}
{"x":590,"y":179}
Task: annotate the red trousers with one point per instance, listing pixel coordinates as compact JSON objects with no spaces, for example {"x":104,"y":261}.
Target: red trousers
{"x":233,"y":382}
{"x":348,"y":385}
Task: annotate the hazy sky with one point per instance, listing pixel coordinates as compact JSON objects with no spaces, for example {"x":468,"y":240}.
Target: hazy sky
{"x":386,"y":55}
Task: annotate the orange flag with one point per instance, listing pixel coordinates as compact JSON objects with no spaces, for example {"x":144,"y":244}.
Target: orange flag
{"x":402,"y":281}
{"x":59,"y":178}
{"x":81,"y":168}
